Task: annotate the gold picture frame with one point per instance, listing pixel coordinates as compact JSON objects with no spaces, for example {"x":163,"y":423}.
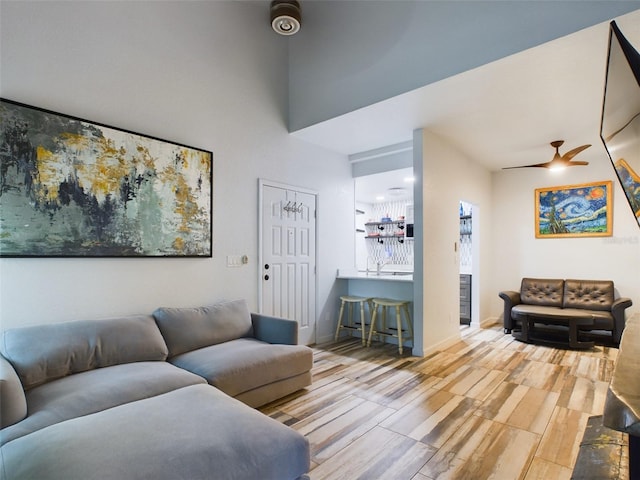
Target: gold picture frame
{"x":582,"y":210}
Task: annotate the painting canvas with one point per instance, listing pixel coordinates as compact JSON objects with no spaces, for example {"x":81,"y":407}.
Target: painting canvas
{"x":70,"y":187}
{"x":583,"y":210}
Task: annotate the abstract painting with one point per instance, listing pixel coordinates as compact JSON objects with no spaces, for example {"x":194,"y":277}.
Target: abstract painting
{"x":74,"y":188}
{"x":583,"y":210}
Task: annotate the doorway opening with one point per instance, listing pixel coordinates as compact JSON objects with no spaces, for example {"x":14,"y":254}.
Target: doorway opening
{"x":466,"y":261}
{"x":384,"y":221}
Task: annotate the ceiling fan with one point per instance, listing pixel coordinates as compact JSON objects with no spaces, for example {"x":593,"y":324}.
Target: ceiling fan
{"x":558,"y":161}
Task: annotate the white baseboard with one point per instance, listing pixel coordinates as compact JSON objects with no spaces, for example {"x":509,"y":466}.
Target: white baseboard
{"x":441,"y":345}
{"x":489,"y":321}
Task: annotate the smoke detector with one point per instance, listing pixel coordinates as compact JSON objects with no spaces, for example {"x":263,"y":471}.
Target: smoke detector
{"x":285,"y":16}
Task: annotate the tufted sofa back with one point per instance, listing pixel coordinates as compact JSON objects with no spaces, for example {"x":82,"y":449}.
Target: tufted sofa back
{"x":542,"y":291}
{"x":589,"y":294}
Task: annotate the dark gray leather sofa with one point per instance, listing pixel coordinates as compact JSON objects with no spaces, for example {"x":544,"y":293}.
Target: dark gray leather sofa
{"x":550,"y":303}
{"x":99,"y":400}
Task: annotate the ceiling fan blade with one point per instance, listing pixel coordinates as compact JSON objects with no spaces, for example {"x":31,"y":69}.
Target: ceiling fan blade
{"x":572,"y":153}
{"x":541,"y":165}
{"x":576,"y":162}
{"x":558,"y":161}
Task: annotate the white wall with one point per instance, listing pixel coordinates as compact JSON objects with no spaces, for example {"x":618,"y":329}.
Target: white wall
{"x":361,"y":254}
{"x":446,"y":176}
{"x":518,"y":253}
{"x":208,"y":74}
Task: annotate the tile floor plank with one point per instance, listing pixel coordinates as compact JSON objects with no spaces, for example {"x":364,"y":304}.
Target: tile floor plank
{"x":487,"y":407}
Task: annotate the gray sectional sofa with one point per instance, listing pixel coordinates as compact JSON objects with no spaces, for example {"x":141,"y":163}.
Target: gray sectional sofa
{"x":152,"y":397}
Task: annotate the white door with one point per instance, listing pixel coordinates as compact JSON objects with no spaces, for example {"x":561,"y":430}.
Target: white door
{"x":288,"y":256}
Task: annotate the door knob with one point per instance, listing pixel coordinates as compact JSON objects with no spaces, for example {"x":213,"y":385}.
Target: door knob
{"x":266,"y":277}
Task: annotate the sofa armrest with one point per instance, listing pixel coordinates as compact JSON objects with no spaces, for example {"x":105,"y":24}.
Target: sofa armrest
{"x":617,"y":311}
{"x":511,"y":299}
{"x":13,"y":403}
{"x":274,"y":329}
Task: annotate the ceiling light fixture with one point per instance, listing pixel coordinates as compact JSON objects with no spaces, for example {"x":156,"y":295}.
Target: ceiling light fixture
{"x":285,"y":16}
{"x":396,"y":191}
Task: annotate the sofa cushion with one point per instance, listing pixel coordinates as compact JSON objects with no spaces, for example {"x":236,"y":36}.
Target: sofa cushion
{"x":186,"y":329}
{"x":588,"y":294}
{"x":195,"y":433}
{"x":241,"y":365}
{"x":72,"y":347}
{"x":542,"y":291}
{"x":13,"y":404}
{"x":95,"y":390}
{"x":274,"y":391}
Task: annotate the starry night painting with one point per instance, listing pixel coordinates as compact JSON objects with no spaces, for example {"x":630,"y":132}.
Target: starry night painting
{"x":583,"y":210}
{"x":74,"y":188}
{"x":630,"y":181}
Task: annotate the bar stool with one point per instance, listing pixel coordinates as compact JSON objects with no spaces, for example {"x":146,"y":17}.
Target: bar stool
{"x":400,"y":306}
{"x":350,"y":300}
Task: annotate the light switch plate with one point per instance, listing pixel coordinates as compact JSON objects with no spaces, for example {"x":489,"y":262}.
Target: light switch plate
{"x":234,"y":260}
{"x":237,"y":260}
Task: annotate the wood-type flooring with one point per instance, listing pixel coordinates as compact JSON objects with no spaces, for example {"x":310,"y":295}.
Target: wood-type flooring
{"x":488,"y":407}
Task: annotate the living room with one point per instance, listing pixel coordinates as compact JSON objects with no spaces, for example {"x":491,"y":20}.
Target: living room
{"x":215,"y":76}
{"x":80,"y":67}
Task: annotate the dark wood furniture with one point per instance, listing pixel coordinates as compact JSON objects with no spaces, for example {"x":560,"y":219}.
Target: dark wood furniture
{"x":529,"y":334}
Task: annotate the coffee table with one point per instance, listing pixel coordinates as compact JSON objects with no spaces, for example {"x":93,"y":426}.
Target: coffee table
{"x":528,"y":332}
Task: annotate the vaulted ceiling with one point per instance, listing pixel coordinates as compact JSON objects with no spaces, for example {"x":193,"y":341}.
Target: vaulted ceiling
{"x":500,"y":114}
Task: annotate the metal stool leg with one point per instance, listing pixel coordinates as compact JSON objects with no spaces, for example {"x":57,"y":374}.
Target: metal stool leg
{"x":409,"y":322}
{"x":363,"y":324}
{"x":372,"y":327}
{"x":399,"y":327}
{"x":339,"y":321}
{"x":384,"y":318}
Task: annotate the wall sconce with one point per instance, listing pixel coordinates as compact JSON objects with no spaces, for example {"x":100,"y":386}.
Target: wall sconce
{"x":285,"y":16}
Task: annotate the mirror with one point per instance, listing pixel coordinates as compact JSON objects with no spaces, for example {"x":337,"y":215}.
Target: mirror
{"x":620,"y":123}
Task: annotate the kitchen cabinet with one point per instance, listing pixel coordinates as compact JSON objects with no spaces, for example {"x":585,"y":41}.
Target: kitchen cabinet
{"x":465,"y":299}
